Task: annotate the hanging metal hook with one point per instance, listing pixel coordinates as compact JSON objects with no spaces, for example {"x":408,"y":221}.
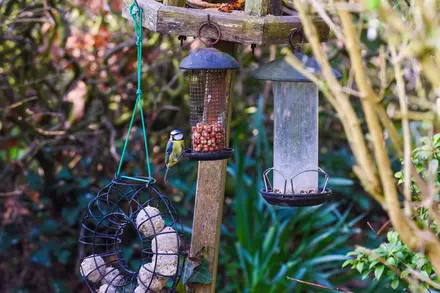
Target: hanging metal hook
{"x":293,"y":33}
{"x":209,"y":24}
{"x":181,"y":39}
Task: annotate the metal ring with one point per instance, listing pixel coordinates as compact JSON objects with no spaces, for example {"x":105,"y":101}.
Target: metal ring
{"x":292,"y":34}
{"x":209,"y":23}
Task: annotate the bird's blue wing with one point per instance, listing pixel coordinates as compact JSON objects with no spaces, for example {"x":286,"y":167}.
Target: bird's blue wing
{"x":168,"y":151}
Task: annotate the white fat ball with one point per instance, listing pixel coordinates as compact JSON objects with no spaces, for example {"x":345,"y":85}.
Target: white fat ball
{"x":166,"y":241}
{"x":107,"y":288}
{"x":149,"y":221}
{"x":166,"y":263}
{"x":112,"y":276}
{"x":92,"y":267}
{"x":145,"y":276}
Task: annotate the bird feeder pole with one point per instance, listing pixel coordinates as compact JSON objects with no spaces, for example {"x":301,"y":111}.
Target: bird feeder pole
{"x":210,"y":193}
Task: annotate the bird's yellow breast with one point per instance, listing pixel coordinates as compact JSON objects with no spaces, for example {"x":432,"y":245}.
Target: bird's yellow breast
{"x":175,"y":153}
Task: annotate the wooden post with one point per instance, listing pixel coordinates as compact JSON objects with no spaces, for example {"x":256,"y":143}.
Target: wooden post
{"x":210,"y":191}
{"x":256,"y":7}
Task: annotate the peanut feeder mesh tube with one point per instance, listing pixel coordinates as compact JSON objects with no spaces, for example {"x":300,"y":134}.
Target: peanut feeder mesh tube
{"x":208,"y":110}
{"x":209,"y":71}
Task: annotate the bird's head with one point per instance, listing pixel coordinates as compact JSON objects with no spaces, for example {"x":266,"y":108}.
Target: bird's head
{"x":176,"y":135}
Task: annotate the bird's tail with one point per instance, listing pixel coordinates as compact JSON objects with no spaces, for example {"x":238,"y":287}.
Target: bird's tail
{"x":166,"y":174}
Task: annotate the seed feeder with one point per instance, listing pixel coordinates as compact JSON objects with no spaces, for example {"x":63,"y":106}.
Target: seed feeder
{"x":209,"y":71}
{"x":295,"y":171}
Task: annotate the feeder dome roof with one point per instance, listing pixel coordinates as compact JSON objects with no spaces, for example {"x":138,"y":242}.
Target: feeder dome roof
{"x":209,"y":58}
{"x":280,"y":70}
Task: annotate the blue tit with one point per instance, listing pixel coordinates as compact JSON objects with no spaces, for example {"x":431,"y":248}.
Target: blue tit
{"x":174,"y":150}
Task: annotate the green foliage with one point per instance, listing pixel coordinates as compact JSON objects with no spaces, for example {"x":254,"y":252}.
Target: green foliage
{"x":394,"y":252}
{"x":397,"y":256}
{"x":197,"y":274}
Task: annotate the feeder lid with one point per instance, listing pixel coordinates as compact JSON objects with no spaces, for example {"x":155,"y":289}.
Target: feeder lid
{"x":280,"y":70}
{"x":209,"y":58}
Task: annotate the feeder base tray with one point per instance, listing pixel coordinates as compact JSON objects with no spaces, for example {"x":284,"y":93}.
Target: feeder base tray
{"x":211,"y":156}
{"x":296,"y":200}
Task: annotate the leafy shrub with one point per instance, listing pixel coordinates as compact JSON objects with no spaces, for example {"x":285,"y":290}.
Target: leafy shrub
{"x":399,"y":260}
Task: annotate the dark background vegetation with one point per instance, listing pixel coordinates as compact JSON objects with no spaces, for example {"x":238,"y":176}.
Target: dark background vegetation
{"x":67,"y":88}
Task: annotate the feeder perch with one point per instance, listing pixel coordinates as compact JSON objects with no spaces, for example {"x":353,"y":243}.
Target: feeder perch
{"x":297,"y":196}
{"x":126,"y":212}
{"x":208,"y":70}
{"x":295,"y":131}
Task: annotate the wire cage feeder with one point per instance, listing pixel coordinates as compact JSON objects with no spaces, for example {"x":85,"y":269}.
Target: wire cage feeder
{"x":124,"y":212}
{"x":295,"y":150}
{"x":130,"y":216}
{"x":208,"y":70}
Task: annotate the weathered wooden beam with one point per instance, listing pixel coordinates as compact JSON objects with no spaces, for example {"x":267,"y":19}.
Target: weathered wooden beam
{"x":235,"y":27}
{"x":208,"y":209}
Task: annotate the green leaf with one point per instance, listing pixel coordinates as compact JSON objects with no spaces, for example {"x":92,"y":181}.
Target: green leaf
{"x":378,"y":272}
{"x":360,"y":267}
{"x":188,"y":270}
{"x":339,"y":181}
{"x":201,"y":274}
{"x":395,"y":283}
{"x":391,"y":261}
{"x":373,"y":4}
{"x":365,"y":275}
{"x":42,"y":256}
{"x":404,"y":274}
{"x":347,"y":262}
{"x":372,"y":264}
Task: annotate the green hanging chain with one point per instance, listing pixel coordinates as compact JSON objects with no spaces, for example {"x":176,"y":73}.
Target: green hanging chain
{"x":136,"y":14}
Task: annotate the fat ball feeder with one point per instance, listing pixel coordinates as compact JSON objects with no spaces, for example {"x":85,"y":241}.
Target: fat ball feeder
{"x":131,"y":209}
{"x":208,"y":70}
{"x":295,"y":150}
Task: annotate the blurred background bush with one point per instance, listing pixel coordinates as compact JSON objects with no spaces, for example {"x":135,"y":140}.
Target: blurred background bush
{"x":67,"y":88}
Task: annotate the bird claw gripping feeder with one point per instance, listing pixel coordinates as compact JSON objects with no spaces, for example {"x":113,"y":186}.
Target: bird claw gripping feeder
{"x":208,"y":70}
{"x":130,"y":214}
{"x":295,"y":170}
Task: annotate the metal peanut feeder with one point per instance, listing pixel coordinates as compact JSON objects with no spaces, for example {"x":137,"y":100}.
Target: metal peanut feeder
{"x":208,"y":70}
{"x":295,"y":171}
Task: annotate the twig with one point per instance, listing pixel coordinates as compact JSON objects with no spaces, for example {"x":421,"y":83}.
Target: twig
{"x":18,"y":104}
{"x":400,"y":84}
{"x":320,"y":9}
{"x":400,"y":222}
{"x":320,"y":286}
{"x":11,"y":193}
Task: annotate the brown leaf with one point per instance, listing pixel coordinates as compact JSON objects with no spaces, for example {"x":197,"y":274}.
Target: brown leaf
{"x":76,"y":97}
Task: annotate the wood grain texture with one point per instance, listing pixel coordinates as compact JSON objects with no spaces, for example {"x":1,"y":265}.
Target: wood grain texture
{"x":256,"y":7}
{"x":178,"y":3}
{"x":210,"y":191}
{"x":235,"y":27}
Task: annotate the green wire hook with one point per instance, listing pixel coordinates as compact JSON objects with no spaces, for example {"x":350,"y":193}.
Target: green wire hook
{"x":136,"y":14}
